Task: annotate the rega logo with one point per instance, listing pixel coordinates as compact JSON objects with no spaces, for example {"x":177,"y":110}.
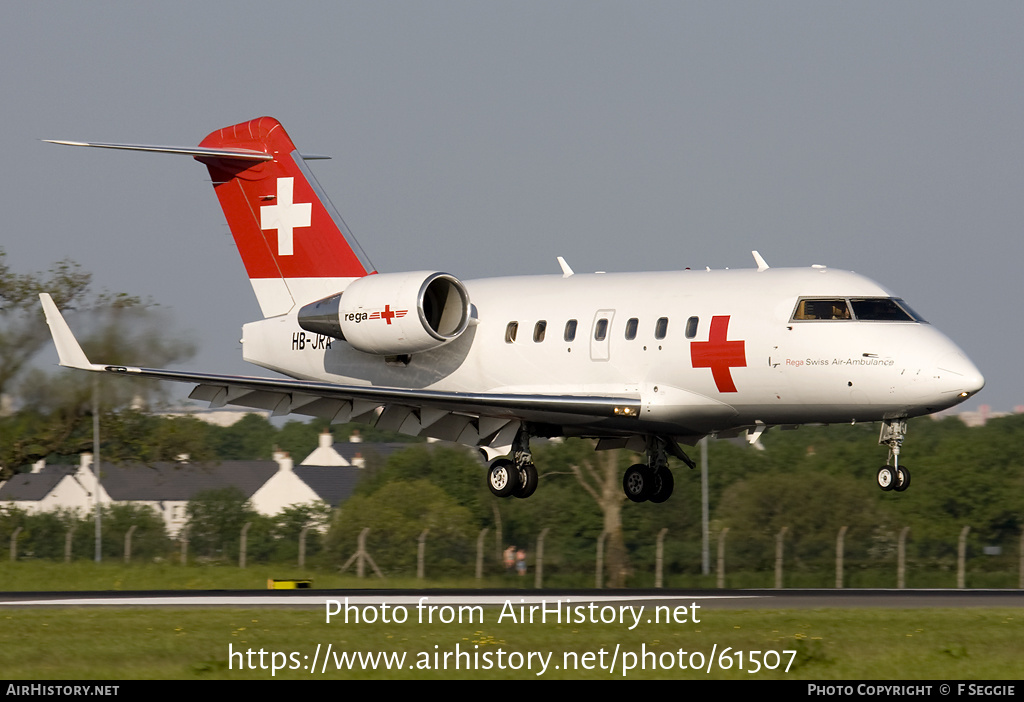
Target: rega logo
{"x":356,"y":317}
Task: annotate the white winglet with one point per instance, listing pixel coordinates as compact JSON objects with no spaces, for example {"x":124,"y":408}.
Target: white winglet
{"x":762,"y":265}
{"x":69,"y":352}
{"x":566,"y":271}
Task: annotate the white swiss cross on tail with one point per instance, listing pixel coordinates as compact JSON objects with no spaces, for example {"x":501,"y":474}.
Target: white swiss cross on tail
{"x":285,"y":215}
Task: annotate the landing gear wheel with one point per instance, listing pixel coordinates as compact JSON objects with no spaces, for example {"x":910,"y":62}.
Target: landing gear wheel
{"x":502,"y":477}
{"x":637,"y":482}
{"x":902,"y":479}
{"x":886,"y":478}
{"x":528,"y":480}
{"x":662,"y":484}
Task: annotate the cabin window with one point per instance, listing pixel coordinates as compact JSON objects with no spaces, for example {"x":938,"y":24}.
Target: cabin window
{"x":570,"y":330}
{"x":510,"y":332}
{"x":691,"y":327}
{"x":601,"y":329}
{"x":539,"y":329}
{"x":831,"y":309}
{"x":661,"y":328}
{"x":631,"y":326}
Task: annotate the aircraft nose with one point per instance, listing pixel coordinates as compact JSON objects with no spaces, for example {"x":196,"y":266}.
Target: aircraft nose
{"x":958,"y":375}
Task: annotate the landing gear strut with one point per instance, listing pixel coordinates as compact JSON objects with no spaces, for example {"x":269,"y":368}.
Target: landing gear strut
{"x":894,"y":477}
{"x":517,"y":477}
{"x":652,"y":482}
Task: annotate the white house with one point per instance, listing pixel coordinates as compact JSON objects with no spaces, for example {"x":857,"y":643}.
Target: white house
{"x":167,"y":487}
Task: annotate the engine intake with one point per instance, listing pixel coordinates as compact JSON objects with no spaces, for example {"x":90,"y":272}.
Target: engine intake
{"x":391,"y":314}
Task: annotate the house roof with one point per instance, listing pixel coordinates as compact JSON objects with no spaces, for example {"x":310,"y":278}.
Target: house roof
{"x":34,"y":486}
{"x":181,"y":481}
{"x":138,"y":482}
{"x":334,"y":484}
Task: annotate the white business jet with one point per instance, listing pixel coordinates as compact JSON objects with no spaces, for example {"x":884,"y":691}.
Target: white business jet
{"x":642,"y":361}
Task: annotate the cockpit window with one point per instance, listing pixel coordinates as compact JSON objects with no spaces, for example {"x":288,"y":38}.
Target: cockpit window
{"x":908,"y":310}
{"x":882,"y":310}
{"x":865,"y":309}
{"x":822,"y":309}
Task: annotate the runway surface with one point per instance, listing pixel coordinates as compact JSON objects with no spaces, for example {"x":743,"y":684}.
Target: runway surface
{"x":708,"y":599}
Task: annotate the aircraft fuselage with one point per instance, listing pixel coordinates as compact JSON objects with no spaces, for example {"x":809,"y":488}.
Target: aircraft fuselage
{"x":704,"y":351}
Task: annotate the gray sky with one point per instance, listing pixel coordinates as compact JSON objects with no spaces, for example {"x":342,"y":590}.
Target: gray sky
{"x":486,"y":138}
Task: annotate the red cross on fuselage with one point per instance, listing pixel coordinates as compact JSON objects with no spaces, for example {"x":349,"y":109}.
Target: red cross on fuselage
{"x":718,"y":354}
{"x":387,"y":314}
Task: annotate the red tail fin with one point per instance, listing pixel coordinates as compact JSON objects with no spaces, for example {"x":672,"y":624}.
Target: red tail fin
{"x":295,"y":246}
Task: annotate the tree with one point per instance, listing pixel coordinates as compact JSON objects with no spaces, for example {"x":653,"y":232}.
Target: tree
{"x":599,"y":474}
{"x":42,"y":534}
{"x":455,"y":470}
{"x":215,"y":521}
{"x":22,"y":332}
{"x":52,"y":410}
{"x":396,"y":515}
{"x":290,"y":522}
{"x":757,"y":508}
{"x":251,"y":437}
{"x":149,"y":540}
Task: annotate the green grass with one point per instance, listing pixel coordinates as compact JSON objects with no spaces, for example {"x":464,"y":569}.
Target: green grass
{"x":40,"y":575}
{"x":189,"y":644}
{"x":115,"y":643}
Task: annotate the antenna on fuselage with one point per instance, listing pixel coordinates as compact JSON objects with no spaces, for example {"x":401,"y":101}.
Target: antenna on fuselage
{"x":762,"y":265}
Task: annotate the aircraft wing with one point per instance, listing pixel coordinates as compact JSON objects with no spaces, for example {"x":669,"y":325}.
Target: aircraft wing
{"x":489,"y":420}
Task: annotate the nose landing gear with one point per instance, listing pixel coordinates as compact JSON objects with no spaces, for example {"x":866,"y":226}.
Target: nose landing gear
{"x":894,"y":477}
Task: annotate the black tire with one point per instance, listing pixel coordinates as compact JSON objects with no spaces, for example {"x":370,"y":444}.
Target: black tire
{"x":502,"y":477}
{"x":902,"y":479}
{"x":636,"y":483}
{"x":528,"y":480}
{"x":886,"y":478}
{"x":663,"y":486}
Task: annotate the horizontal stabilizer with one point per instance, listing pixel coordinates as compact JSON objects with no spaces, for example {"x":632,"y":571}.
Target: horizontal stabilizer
{"x":197,"y":151}
{"x":240,"y":154}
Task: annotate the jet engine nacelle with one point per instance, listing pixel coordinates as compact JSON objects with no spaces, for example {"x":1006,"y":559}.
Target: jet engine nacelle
{"x":392,"y":314}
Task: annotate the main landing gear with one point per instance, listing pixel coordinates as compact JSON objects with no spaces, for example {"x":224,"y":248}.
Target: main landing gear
{"x":652,"y":482}
{"x":517,"y":477}
{"x":894,"y":477}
